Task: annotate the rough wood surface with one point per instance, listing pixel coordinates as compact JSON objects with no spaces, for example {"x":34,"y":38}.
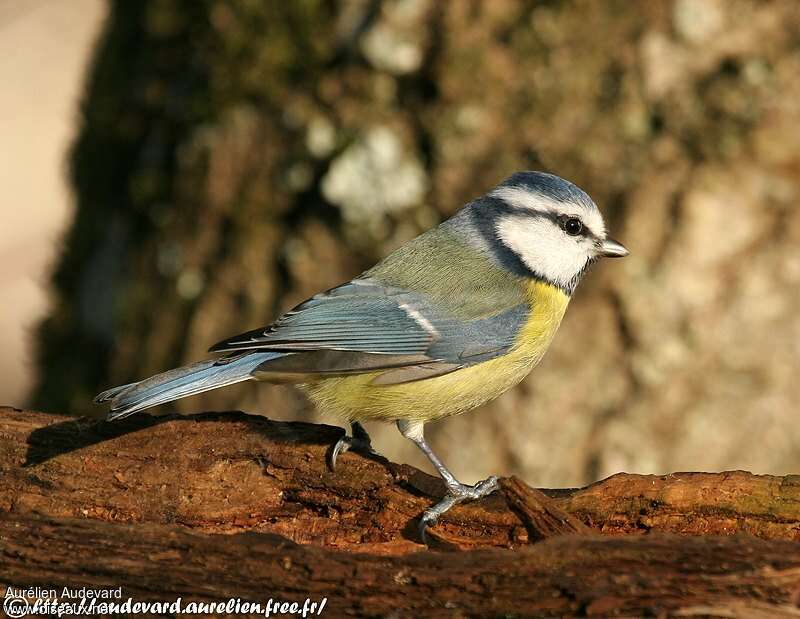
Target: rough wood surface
{"x":539,"y":513}
{"x":230,"y":472}
{"x":563,"y":576}
{"x":138,"y":503}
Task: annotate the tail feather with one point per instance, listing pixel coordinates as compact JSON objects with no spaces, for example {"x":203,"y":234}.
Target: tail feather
{"x":110,"y":393}
{"x":182,"y":382}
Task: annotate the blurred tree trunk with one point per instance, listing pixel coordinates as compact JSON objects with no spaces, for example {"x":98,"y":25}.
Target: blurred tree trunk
{"x":235,"y":157}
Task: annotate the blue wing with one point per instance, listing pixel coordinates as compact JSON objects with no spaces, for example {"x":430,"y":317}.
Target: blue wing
{"x":363,"y":325}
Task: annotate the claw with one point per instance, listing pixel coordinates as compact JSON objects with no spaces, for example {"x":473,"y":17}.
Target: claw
{"x":359,"y":442}
{"x":341,"y":446}
{"x":456,"y":493}
{"x":426,"y":521}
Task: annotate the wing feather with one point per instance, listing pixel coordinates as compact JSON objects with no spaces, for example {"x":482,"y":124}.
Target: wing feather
{"x":363,"y":318}
{"x":363,"y":326}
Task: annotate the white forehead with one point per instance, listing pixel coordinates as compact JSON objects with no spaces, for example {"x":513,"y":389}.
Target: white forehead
{"x":529,"y":200}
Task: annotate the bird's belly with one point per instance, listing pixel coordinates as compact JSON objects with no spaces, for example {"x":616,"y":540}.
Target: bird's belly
{"x":355,"y":397}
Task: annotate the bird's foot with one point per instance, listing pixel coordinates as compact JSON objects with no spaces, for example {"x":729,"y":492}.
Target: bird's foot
{"x":456,"y":493}
{"x":358,"y":442}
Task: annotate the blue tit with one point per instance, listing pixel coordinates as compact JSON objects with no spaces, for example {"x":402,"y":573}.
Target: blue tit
{"x":447,"y":322}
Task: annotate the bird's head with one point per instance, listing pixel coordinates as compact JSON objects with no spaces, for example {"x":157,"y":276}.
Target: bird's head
{"x":541,"y":226}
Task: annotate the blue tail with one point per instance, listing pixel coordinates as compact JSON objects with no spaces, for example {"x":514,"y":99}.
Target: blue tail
{"x":182,"y":382}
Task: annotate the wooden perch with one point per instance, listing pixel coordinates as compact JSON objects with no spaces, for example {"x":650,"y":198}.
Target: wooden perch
{"x":135,"y":503}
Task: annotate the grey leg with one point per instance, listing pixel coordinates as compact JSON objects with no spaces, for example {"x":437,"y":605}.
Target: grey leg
{"x":456,"y":491}
{"x":358,"y":442}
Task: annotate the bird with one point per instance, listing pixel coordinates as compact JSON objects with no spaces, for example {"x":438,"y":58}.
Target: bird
{"x":448,"y":321}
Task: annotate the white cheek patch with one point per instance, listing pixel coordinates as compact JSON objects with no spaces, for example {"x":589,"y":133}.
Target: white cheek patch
{"x":544,"y":248}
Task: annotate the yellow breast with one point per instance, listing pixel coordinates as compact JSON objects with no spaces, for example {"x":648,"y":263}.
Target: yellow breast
{"x":355,"y":398}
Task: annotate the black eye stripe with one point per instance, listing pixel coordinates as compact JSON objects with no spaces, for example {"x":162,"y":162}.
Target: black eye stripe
{"x":486,"y":218}
{"x":556,"y":218}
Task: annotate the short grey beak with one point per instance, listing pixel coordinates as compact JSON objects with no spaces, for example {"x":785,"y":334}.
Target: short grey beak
{"x":610,"y":248}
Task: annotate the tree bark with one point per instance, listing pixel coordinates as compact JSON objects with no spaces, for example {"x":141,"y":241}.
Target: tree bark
{"x":566,"y":575}
{"x":137,"y":504}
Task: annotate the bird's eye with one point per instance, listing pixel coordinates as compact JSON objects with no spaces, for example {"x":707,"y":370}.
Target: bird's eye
{"x":572,"y":226}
